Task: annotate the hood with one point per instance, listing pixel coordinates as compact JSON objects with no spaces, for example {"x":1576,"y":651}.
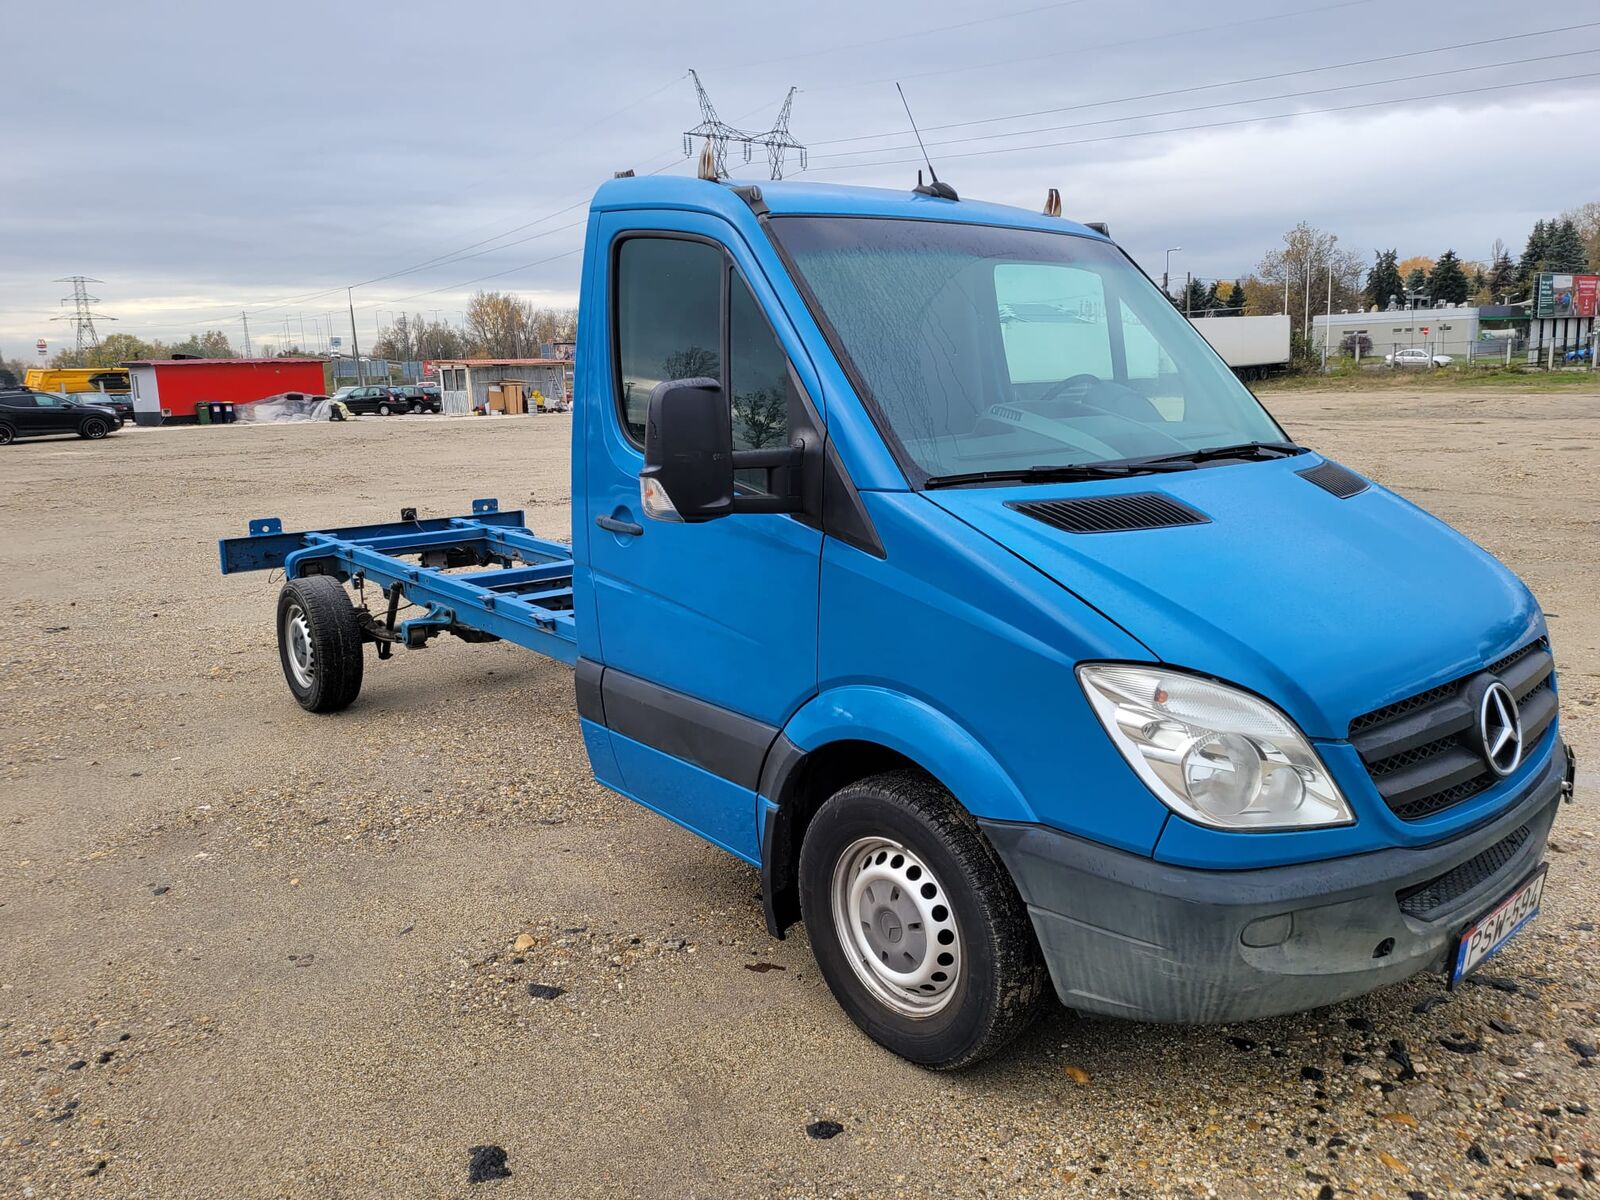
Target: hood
{"x":1329,"y":608}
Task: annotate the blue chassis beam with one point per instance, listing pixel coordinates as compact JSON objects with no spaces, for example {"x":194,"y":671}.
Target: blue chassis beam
{"x":501,"y":601}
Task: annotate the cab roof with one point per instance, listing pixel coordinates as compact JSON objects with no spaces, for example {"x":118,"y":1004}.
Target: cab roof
{"x":797,"y":197}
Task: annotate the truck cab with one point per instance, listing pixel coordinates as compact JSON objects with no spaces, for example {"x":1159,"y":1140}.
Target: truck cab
{"x":925,"y":558}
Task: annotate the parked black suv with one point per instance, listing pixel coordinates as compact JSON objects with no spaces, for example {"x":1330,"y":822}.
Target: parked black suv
{"x":26,"y":413}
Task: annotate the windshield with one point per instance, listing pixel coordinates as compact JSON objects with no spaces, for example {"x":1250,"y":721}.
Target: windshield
{"x":986,"y":349}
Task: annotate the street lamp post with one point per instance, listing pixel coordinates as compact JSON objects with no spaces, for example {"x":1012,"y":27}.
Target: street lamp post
{"x":1166,"y":270}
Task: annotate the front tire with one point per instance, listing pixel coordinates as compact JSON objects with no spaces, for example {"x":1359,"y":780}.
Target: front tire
{"x":7,"y":435}
{"x":94,"y":429}
{"x":319,"y":643}
{"x":915,"y":923}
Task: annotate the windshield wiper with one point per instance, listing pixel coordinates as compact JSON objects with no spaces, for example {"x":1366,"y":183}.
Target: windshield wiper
{"x":1243,"y":450}
{"x":1062,"y":473}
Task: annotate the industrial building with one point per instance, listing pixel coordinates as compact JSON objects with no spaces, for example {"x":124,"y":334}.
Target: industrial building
{"x":166,"y":390}
{"x":1560,"y":318}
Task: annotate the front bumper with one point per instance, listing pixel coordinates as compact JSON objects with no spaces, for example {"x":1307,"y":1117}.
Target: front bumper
{"x":1126,"y":936}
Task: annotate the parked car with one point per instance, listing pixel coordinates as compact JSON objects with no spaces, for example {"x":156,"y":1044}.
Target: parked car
{"x":27,"y":413}
{"x":420,"y":398}
{"x":373,"y":398}
{"x":120,"y":402}
{"x":1417,"y":356}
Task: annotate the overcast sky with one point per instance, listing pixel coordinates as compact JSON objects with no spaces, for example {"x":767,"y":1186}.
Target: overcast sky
{"x":203,"y":159}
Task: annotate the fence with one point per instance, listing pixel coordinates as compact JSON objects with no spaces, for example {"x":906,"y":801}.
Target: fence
{"x":374,"y":370}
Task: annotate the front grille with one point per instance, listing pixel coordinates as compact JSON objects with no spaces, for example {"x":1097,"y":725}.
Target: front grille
{"x":1423,"y":752}
{"x":1422,"y":900}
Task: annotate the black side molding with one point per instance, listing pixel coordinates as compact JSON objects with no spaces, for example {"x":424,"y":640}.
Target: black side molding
{"x":726,"y":743}
{"x":591,"y":703}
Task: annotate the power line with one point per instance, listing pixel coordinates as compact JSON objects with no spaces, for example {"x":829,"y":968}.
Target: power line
{"x":1309,"y":112}
{"x":1201,"y":87}
{"x":1344,"y":87}
{"x":900,"y":37}
{"x":1079,"y":50}
{"x":512,"y":270}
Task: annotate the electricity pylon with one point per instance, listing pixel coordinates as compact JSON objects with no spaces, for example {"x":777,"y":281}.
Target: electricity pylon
{"x":718,"y":135}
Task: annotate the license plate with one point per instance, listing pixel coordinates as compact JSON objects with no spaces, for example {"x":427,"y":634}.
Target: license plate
{"x":1493,"y":930}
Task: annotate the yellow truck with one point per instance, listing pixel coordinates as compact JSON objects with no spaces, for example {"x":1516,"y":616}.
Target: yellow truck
{"x":71,"y":380}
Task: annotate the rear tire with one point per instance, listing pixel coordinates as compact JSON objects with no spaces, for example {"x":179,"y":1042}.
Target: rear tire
{"x":319,"y":643}
{"x":915,"y":923}
{"x":383,"y":410}
{"x":416,"y":410}
{"x":93,"y":428}
{"x":7,"y":435}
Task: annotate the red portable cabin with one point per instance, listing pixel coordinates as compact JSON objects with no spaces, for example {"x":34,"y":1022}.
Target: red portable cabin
{"x":167,"y":389}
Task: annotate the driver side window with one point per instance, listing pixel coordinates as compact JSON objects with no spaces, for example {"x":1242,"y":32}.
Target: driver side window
{"x":1052,"y":322}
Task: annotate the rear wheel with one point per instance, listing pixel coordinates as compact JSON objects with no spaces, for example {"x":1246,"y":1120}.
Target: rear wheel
{"x":94,"y":428}
{"x":7,"y":435}
{"x":384,"y":410}
{"x":319,"y":643}
{"x":915,"y":923}
{"x":416,"y":410}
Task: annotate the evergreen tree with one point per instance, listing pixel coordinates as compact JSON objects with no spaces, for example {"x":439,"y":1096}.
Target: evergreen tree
{"x":1564,"y":251}
{"x":1416,"y":282}
{"x":1195,"y":298}
{"x":1502,"y":278}
{"x":1235,"y":300}
{"x":1533,"y":254}
{"x":1449,"y":282}
{"x":1383,"y":280}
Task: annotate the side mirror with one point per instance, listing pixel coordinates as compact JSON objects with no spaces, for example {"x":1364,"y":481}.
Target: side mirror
{"x":688,"y":452}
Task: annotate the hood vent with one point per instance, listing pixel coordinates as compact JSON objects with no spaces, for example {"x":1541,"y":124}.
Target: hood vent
{"x":1110,"y":514}
{"x":1334,"y":479}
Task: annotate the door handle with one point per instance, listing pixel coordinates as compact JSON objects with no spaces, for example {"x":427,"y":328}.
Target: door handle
{"x":612,"y":525}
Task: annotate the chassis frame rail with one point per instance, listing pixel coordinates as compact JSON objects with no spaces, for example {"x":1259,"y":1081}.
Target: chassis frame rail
{"x":522,"y":591}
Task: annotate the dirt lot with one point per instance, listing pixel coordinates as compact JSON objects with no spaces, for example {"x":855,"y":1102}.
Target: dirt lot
{"x":246,"y":951}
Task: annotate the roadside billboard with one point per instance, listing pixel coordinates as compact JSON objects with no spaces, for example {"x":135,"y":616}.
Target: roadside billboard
{"x":1565,"y":295}
{"x":1585,"y":291}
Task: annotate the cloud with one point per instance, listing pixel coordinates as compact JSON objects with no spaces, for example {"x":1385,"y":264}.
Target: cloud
{"x":204,"y":159}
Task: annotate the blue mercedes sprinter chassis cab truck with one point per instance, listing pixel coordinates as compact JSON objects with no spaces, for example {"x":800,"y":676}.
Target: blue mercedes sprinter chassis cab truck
{"x":926,"y":559}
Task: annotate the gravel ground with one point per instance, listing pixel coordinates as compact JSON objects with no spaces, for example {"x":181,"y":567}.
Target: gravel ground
{"x":246,"y":951}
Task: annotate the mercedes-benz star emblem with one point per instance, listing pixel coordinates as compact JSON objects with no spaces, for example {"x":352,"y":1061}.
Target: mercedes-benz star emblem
{"x":1500,"y":728}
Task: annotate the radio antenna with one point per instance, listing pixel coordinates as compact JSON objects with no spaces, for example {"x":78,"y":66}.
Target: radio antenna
{"x":942,"y":191}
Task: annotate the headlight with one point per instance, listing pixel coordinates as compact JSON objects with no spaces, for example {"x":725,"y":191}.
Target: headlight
{"x":1212,"y":753}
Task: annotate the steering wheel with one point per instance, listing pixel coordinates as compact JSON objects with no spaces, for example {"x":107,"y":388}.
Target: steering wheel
{"x":1083,"y":381}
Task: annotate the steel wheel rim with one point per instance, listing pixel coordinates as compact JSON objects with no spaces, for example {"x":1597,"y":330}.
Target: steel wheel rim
{"x":299,"y":655}
{"x":895,"y":926}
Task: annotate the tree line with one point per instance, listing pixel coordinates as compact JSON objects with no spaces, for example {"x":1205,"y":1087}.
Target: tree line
{"x":497,"y":325}
{"x":1301,"y":275}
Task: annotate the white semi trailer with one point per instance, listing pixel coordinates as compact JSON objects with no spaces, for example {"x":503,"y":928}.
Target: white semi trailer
{"x":1252,"y":346}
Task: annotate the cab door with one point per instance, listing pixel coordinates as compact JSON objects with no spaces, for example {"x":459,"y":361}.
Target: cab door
{"x":707,"y":631}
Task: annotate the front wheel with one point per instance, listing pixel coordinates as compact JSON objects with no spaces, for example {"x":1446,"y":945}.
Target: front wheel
{"x":915,"y":923}
{"x":94,"y":429}
{"x":319,"y":643}
{"x":7,"y":434}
